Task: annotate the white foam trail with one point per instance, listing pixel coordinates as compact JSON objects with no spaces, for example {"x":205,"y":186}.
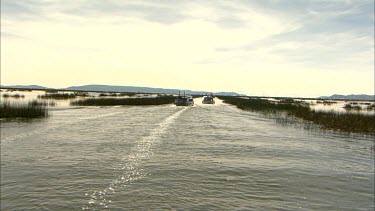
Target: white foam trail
{"x":131,"y":169}
{"x":144,"y":145}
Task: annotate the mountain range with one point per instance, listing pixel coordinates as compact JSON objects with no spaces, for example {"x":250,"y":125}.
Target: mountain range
{"x":25,"y":87}
{"x":110,"y":88}
{"x":349,"y":97}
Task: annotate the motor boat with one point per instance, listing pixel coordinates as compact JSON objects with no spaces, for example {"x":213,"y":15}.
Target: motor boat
{"x":209,"y":99}
{"x":184,"y":100}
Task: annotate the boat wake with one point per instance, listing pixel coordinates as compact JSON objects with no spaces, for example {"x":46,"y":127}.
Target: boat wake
{"x":130,"y":169}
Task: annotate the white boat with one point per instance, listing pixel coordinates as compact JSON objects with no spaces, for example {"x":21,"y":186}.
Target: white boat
{"x":209,"y":99}
{"x":184,"y":100}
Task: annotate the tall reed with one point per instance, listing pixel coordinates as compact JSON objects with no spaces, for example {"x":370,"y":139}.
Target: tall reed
{"x":22,"y":109}
{"x":347,"y":122}
{"x":124,"y":101}
{"x":57,"y":96}
{"x":14,"y":96}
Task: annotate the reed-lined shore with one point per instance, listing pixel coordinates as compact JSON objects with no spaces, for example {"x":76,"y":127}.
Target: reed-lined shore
{"x":58,"y":96}
{"x":124,"y":101}
{"x":346,"y":122}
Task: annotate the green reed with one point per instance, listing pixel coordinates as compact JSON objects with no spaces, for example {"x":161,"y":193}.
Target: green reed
{"x":124,"y":101}
{"x":58,"y":96}
{"x":22,"y":109}
{"x":14,"y":96}
{"x":340,"y":121}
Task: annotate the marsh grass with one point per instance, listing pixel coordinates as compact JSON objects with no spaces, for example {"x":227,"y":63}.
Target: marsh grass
{"x":20,"y":90}
{"x":108,"y":95}
{"x":371,"y":107}
{"x":350,"y":106}
{"x":121,"y":94}
{"x":81,"y":94}
{"x":14,"y":96}
{"x":58,"y":96}
{"x":347,"y":122}
{"x":22,"y":110}
{"x":124,"y":101}
{"x":42,"y":103}
{"x":50,"y":91}
{"x":326,"y":102}
{"x":130,"y":94}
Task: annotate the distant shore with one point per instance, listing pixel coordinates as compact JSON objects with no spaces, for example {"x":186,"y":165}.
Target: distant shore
{"x":142,"y":92}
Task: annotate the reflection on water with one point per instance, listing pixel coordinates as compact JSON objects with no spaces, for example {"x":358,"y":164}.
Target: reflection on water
{"x":339,"y":107}
{"x":205,"y":157}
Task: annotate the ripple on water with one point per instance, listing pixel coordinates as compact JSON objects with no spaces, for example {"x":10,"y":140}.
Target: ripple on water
{"x":131,"y":167}
{"x":166,"y":157}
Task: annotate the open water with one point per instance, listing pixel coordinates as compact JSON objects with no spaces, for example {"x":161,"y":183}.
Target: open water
{"x":206,"y":157}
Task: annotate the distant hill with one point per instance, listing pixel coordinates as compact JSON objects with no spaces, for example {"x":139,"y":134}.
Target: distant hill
{"x":227,"y":94}
{"x":108,"y":88}
{"x":349,"y":97}
{"x":24,"y":87}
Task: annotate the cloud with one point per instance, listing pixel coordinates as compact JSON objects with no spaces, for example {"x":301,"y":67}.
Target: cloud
{"x":231,"y":37}
{"x":15,"y":8}
{"x":224,"y":14}
{"x":326,"y":34}
{"x":154,"y":11}
{"x":10,"y":35}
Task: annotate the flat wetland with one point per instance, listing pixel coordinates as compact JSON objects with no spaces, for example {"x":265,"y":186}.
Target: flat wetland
{"x":334,"y":120}
{"x":126,"y":151}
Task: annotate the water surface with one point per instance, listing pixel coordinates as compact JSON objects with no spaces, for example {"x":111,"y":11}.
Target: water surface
{"x":206,"y":157}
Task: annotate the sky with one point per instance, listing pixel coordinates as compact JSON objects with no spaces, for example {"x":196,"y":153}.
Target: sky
{"x":303,"y":48}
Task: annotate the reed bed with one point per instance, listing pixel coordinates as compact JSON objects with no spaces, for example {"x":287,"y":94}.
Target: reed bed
{"x":20,"y":90}
{"x":130,"y":94}
{"x":124,"y":101}
{"x":122,"y":94}
{"x":14,"y":96}
{"x":326,"y":102}
{"x":43,"y":103}
{"x":108,"y":95}
{"x":346,"y":122}
{"x":58,"y":96}
{"x":51,"y":91}
{"x":22,"y":110}
{"x":81,"y":94}
{"x":350,"y":106}
{"x":371,"y":107}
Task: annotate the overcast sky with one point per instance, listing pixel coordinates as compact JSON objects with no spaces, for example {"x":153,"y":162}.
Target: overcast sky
{"x":255,"y":47}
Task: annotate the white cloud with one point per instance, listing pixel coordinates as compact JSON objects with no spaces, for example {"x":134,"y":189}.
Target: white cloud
{"x":262,"y":45}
